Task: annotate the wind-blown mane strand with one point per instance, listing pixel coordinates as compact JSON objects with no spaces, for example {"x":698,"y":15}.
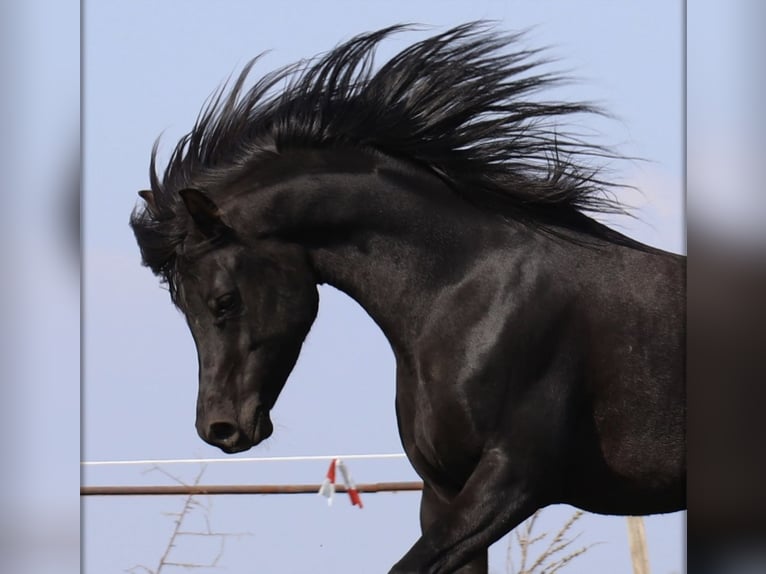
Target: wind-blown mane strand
{"x":458,"y":103}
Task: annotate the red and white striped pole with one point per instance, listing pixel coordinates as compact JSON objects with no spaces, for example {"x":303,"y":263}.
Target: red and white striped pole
{"x":353,"y":493}
{"x":327,"y":489}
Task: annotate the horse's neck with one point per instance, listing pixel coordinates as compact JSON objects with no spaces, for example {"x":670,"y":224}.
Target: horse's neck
{"x":390,"y":236}
{"x":401,"y":258}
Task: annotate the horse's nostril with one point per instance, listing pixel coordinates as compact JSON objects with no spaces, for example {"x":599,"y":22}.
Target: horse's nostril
{"x":223,"y":432}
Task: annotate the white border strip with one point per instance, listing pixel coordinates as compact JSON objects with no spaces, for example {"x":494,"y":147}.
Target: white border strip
{"x":252,"y":459}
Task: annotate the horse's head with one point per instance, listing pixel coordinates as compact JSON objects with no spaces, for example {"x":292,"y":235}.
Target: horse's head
{"x":249,"y":305}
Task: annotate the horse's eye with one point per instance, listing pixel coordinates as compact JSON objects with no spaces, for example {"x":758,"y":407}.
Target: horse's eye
{"x":225,"y":304}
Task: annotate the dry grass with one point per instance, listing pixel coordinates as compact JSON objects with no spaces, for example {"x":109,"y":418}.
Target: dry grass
{"x":552,"y":554}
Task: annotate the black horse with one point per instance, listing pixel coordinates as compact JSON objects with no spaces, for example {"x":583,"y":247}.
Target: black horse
{"x":540,"y":354}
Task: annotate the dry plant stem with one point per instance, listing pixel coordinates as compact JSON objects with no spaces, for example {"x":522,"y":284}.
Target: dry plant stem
{"x":556,"y":545}
{"x":189,"y":503}
{"x":547,"y":561}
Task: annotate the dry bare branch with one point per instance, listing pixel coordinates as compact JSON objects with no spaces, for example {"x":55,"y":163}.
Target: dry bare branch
{"x":549,"y":560}
{"x":191,"y":502}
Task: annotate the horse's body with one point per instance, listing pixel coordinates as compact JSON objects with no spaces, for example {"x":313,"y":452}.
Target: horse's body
{"x":539,"y":354}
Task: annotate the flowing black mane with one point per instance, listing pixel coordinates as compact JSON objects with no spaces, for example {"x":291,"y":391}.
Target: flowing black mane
{"x":457,"y":103}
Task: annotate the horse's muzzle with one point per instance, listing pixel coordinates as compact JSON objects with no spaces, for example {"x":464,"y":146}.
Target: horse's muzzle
{"x":230,"y":437}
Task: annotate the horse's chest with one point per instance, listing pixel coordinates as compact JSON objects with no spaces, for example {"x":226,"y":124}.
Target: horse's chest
{"x":438,"y":433}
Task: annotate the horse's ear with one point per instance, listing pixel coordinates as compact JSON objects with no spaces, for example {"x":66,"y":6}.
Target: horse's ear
{"x":204,"y":212}
{"x":148,"y":196}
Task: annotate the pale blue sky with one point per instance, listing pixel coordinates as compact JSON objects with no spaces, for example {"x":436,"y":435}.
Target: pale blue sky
{"x":39,"y":312}
{"x":148,"y":66}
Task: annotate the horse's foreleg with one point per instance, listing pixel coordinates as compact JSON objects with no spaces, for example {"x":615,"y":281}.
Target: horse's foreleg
{"x":495,"y":499}
{"x":432,"y":509}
